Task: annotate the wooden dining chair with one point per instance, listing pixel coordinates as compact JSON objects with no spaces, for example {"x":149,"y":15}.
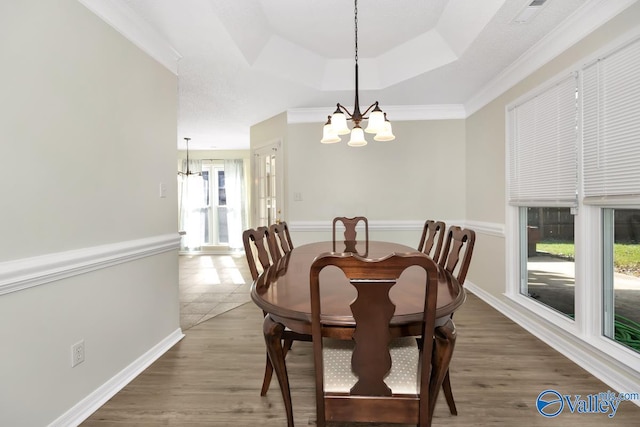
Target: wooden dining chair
{"x":256,"y":242}
{"x":455,"y":258}
{"x":350,"y":232}
{"x":432,"y":238}
{"x":279,"y":240}
{"x":374,"y":377}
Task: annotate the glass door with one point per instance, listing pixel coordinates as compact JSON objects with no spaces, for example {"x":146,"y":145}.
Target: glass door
{"x":267,"y":185}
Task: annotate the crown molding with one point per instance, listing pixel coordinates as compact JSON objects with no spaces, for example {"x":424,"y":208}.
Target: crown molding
{"x":395,"y":112}
{"x":583,"y":22}
{"x":137,"y":31}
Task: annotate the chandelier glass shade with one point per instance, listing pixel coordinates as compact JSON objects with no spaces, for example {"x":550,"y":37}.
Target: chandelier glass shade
{"x":377,"y":122}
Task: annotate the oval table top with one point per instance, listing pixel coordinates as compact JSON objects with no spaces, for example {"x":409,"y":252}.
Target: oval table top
{"x":283,"y":289}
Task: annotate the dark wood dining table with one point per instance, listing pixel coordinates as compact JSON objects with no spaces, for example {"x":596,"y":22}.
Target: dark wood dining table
{"x":282,"y":291}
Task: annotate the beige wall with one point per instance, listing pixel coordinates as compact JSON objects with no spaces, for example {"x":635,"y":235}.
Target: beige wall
{"x":89,"y":133}
{"x":403,"y":180}
{"x":417,"y":176}
{"x":268,"y":131}
{"x":485,"y":162}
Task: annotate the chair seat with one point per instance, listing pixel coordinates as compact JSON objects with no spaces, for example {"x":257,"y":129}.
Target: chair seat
{"x":401,"y":379}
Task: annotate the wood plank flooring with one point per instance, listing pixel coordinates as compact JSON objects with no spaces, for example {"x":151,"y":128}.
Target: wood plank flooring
{"x":213,"y":377}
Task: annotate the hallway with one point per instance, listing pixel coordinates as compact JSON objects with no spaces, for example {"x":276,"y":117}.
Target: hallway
{"x":211,"y":285}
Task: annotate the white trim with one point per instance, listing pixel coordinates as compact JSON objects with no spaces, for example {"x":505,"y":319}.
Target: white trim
{"x":312,"y":226}
{"x":124,"y":20}
{"x":395,"y":113}
{"x":583,"y":22}
{"x":87,"y":406}
{"x":488,"y":228}
{"x":20,"y":274}
{"x":597,"y":362}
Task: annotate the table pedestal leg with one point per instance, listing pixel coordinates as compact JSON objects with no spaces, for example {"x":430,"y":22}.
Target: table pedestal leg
{"x":273,"y":339}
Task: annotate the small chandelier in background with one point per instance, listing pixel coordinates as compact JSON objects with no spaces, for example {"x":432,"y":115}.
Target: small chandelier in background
{"x":377,"y":121}
{"x":188,"y":172}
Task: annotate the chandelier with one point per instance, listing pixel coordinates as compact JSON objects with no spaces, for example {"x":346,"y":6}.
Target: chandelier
{"x":188,"y":172}
{"x":377,"y":121}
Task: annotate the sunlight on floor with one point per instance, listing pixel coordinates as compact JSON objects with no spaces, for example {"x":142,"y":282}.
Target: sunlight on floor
{"x":211,"y":285}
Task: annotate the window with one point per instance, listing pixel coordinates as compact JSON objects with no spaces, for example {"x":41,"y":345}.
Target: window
{"x":543,"y":138}
{"x":612,"y":183}
{"x":621,"y":276}
{"x":215,"y":223}
{"x":548,"y":263}
{"x":574,"y":201}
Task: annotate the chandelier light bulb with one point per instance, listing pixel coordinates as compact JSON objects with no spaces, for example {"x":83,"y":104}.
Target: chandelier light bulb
{"x":357,"y":137}
{"x":386,"y":134}
{"x":339,"y":123}
{"x":376,"y":121}
{"x":329,"y":136}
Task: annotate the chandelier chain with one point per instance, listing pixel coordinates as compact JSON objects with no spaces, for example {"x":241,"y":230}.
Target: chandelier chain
{"x":355,"y":19}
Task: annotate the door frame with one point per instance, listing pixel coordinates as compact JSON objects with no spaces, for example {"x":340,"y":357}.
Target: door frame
{"x":274,"y":146}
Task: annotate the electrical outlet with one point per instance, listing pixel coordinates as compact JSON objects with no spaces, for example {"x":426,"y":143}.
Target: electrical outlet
{"x":77,"y":353}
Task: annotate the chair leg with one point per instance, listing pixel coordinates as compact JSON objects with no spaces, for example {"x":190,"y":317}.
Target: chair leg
{"x":268,"y":373}
{"x":444,"y":342}
{"x":268,"y":368}
{"x":448,"y":394}
{"x":273,"y":339}
{"x":288,"y":342}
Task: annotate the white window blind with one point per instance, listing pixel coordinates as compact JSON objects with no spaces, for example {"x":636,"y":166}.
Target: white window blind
{"x":611,"y":126}
{"x":542,"y":145}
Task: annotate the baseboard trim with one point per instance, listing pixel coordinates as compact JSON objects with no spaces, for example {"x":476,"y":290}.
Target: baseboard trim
{"x":25,"y":273}
{"x":599,"y":364}
{"x":87,"y":406}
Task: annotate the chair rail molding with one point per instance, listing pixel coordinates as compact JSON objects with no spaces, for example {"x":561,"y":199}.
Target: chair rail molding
{"x":489,"y":228}
{"x":20,"y":274}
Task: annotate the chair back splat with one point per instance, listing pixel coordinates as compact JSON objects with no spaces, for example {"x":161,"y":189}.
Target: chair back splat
{"x":374,"y":386}
{"x":256,"y":242}
{"x":432,"y":238}
{"x":279,"y":240}
{"x":350,"y":232}
{"x":457,"y":251}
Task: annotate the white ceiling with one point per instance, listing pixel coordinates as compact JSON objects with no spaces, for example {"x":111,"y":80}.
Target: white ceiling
{"x":244,"y":61}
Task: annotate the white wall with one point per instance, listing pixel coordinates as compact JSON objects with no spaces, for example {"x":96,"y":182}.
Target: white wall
{"x":89,"y":249}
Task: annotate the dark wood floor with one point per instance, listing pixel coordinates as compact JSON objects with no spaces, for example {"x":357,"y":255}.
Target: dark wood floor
{"x":213,"y":376}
